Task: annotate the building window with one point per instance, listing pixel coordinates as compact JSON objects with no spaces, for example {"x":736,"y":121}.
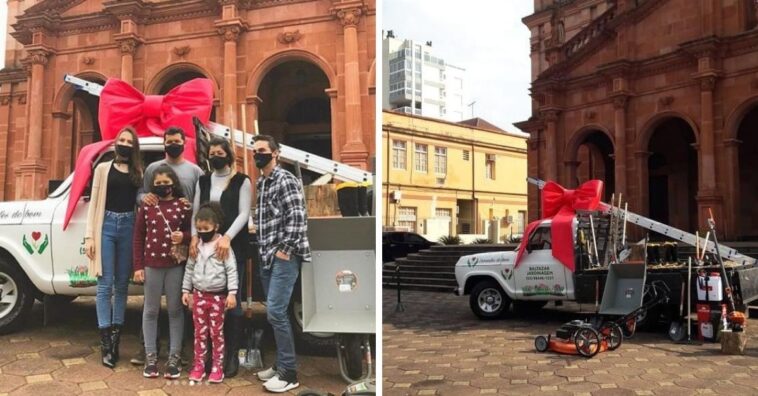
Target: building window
{"x":406,"y":218}
{"x":444,"y":213}
{"x":440,"y":160}
{"x":422,"y":158}
{"x":520,"y":221}
{"x":465,"y":155}
{"x":398,"y":154}
{"x":489,"y":166}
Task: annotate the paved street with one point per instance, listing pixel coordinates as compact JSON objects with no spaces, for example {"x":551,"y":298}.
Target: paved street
{"x":438,"y":346}
{"x":63,"y":359}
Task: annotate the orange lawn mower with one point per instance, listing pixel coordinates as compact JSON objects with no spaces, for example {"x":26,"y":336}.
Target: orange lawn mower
{"x":579,"y":337}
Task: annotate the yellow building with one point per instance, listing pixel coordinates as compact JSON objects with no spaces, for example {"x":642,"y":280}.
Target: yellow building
{"x":444,"y":178}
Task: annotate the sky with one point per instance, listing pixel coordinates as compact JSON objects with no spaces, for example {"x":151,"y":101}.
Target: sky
{"x":485,"y":37}
{"x":3,"y":28}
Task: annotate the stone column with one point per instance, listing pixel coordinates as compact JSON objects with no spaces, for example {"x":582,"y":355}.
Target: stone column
{"x":732,"y":203}
{"x":354,"y":152}
{"x":31,"y":173}
{"x":707,"y":196}
{"x":551,"y":144}
{"x":230,"y":34}
{"x":128,"y":47}
{"x":619,"y":126}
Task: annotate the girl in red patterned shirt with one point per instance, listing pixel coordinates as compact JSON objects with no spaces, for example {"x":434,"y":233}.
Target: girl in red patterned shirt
{"x":157,"y":228}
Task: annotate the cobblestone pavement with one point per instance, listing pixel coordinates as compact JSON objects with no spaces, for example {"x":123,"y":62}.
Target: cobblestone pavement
{"x":64,"y":359}
{"x":438,"y":346}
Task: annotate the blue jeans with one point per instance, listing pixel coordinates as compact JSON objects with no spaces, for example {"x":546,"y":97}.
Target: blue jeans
{"x":241,"y":286}
{"x":278,"y":283}
{"x":116,"y":254}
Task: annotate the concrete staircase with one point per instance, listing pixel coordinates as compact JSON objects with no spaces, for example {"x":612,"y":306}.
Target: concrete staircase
{"x":433,"y":269}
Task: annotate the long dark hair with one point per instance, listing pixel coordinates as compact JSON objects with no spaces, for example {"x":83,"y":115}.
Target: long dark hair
{"x":166,"y":170}
{"x":135,"y":161}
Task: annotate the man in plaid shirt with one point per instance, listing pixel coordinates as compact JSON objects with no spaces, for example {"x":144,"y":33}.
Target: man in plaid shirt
{"x":281,"y":227}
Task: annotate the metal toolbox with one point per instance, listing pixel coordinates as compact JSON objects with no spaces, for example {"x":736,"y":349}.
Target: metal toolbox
{"x":339,"y":284}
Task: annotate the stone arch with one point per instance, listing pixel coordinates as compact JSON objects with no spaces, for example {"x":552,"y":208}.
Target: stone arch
{"x":741,"y":159}
{"x":295,"y":105}
{"x":173,"y":69}
{"x":74,"y":123}
{"x":648,"y":128}
{"x":266,"y":65}
{"x":668,"y":164}
{"x":589,"y":154}
{"x":66,"y":91}
{"x":576,"y":139}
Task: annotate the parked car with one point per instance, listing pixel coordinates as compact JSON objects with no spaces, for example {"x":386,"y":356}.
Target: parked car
{"x":398,"y":244}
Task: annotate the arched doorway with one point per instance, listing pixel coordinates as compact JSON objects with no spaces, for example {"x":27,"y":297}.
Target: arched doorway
{"x":295,"y":108}
{"x":747,"y":164}
{"x":176,"y":78}
{"x":84,"y":127}
{"x":594,"y":160}
{"x":673,"y":174}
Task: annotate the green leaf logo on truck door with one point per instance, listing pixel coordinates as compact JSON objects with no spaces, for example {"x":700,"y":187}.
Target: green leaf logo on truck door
{"x":35,"y":246}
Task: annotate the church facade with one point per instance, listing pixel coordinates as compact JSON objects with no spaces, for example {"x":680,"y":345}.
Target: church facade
{"x":303,"y":69}
{"x":658,"y":98}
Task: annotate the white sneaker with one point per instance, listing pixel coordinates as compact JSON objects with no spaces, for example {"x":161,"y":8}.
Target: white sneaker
{"x":267,"y":374}
{"x":277,"y":385}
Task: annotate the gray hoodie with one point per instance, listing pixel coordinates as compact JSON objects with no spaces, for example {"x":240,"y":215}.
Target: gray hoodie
{"x":207,"y":273}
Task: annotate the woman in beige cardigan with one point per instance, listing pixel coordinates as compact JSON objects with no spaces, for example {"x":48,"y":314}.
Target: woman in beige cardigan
{"x":108,"y":238}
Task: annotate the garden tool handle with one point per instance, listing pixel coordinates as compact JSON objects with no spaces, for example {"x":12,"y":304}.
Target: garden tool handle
{"x":249,"y":310}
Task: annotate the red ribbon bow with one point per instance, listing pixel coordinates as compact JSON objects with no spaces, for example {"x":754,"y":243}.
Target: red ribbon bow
{"x":561,"y":205}
{"x":122,"y":105}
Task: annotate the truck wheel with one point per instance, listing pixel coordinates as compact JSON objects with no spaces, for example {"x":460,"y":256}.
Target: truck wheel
{"x":488,"y":300}
{"x":352,"y":353}
{"x":16,"y":297}
{"x":320,"y":344}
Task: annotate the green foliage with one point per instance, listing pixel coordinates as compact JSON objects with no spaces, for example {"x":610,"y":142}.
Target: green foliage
{"x":450,"y":240}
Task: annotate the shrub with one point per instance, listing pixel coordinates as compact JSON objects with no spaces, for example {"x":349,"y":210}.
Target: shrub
{"x":481,"y":241}
{"x":450,"y":240}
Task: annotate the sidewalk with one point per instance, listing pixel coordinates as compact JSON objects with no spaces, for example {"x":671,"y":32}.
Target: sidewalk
{"x":438,"y":346}
{"x":64,"y":359}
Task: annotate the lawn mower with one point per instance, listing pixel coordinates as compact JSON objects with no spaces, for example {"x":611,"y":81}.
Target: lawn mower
{"x":580,"y":337}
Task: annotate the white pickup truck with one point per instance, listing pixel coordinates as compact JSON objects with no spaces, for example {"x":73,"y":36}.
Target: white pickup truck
{"x":38,"y":259}
{"x":493,"y":282}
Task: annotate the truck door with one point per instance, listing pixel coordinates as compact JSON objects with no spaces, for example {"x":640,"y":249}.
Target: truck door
{"x":70,"y":275}
{"x":539,"y":276}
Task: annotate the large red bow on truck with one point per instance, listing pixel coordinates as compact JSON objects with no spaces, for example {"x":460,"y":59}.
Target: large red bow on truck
{"x":122,"y":105}
{"x":561,"y":205}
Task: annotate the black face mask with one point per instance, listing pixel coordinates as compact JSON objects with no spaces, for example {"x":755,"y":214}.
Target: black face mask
{"x":174,"y":150}
{"x":206,"y":236}
{"x":164,"y":190}
{"x":262,"y":159}
{"x":124,"y":151}
{"x":218,"y":163}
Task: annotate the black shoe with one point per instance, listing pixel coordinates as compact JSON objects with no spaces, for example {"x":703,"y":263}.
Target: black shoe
{"x":115,"y":341}
{"x":151,"y":366}
{"x":231,"y":335}
{"x":174,"y":367}
{"x":106,"y":351}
